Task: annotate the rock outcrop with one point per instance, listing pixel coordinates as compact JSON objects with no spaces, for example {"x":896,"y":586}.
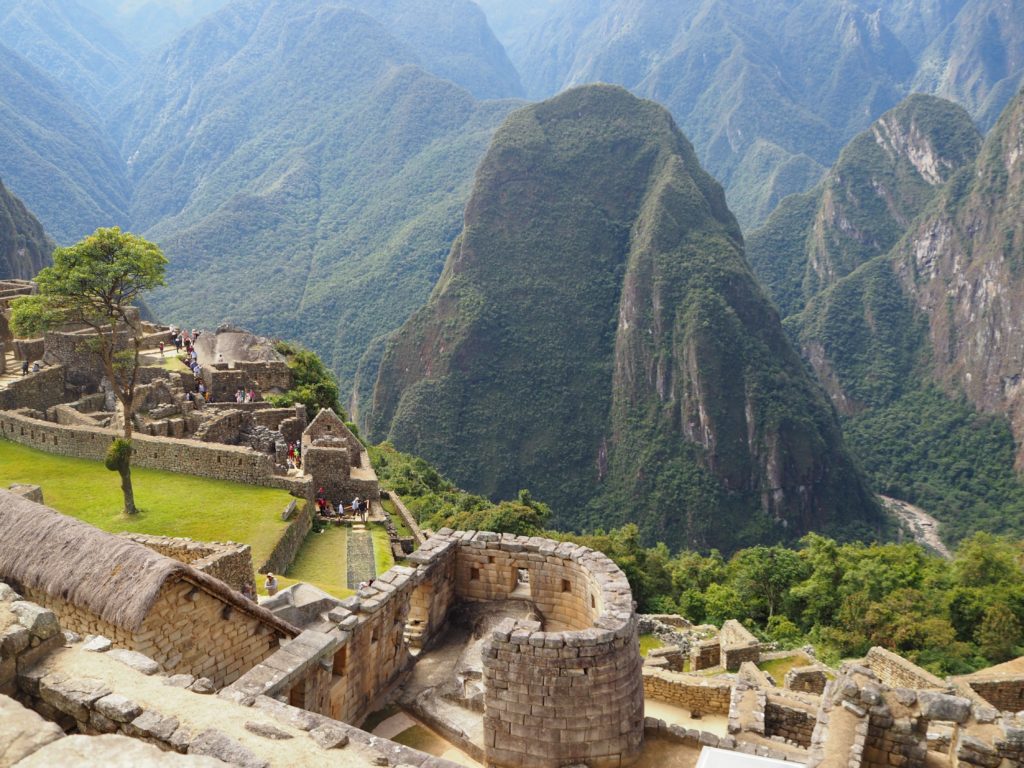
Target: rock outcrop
{"x":24,"y":246}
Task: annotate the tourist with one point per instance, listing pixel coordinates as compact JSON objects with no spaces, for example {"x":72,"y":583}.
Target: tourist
{"x":270,"y":585}
{"x":24,"y":367}
{"x":161,"y":345}
{"x":252,"y":395}
{"x":355,"y":506}
{"x":364,"y":508}
{"x":341,"y":509}
{"x":202,"y":390}
{"x":248,"y":592}
{"x":36,"y":367}
{"x":239,"y":396}
{"x":178,"y":343}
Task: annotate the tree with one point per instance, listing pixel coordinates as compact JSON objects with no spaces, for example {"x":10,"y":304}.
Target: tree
{"x":94,"y":284}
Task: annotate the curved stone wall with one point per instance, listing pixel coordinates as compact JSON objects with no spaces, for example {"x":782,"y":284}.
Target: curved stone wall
{"x":570,"y":689}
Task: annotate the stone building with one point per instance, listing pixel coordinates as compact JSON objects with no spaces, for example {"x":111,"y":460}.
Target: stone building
{"x":101,"y":584}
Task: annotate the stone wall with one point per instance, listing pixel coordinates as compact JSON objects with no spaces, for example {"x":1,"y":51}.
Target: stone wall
{"x":811,"y":679}
{"x":705,"y":654}
{"x":29,"y":633}
{"x":406,"y":515}
{"x":693,"y":692}
{"x":227,"y":561}
{"x":37,"y":391}
{"x":187,"y":631}
{"x":1006,"y":694}
{"x":220,"y":462}
{"x":790,"y":719}
{"x":738,"y":645}
{"x":288,"y":546}
{"x":897,"y":672}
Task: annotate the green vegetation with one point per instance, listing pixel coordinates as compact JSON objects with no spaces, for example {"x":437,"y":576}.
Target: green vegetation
{"x":169,"y":504}
{"x":322,"y":562}
{"x":862,"y":206}
{"x":778,"y":668}
{"x":649,"y":643}
{"x":842,"y":598}
{"x":668,"y":405}
{"x":95,"y":284}
{"x":24,"y":246}
{"x":313,"y":384}
{"x":397,"y":520}
{"x":382,"y":557}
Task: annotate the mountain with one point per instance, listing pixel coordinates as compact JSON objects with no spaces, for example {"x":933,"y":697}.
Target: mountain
{"x":929,"y":333}
{"x":770,"y":92}
{"x":154,"y":23}
{"x":323,"y":212}
{"x":69,"y":43}
{"x":24,"y":246}
{"x":883,"y":179}
{"x":598,"y":337}
{"x":978,"y":59}
{"x":55,"y":156}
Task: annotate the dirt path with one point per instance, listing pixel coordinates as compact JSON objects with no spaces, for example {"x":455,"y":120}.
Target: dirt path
{"x":923,"y":527}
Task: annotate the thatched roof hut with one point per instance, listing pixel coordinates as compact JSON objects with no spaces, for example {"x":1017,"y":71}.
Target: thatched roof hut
{"x":112,"y":577}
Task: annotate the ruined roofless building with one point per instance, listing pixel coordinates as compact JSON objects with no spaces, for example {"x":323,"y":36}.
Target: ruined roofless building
{"x":101,"y":584}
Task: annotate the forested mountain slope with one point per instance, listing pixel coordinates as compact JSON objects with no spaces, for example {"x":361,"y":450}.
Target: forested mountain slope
{"x":598,"y":337}
{"x":299,"y":211}
{"x":24,"y":246}
{"x":55,"y":156}
{"x":883,"y":179}
{"x":770,"y":92}
{"x":70,"y":43}
{"x":914,"y":341}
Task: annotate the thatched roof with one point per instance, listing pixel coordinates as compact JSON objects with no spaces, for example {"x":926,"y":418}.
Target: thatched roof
{"x":113,"y":577}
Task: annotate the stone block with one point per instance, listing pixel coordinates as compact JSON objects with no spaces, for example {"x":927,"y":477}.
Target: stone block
{"x":152,"y":725}
{"x":267,"y":731}
{"x":328,"y":736}
{"x":118,"y":708}
{"x":22,"y":732}
{"x":7,"y":594}
{"x":941,"y":706}
{"x":111,"y":751}
{"x":40,"y":621}
{"x":72,"y":696}
{"x":214,"y":743}
{"x":97,"y":644}
{"x":135,"y":660}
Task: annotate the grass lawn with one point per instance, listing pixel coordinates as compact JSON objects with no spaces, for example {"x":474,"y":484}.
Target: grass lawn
{"x":397,"y":519}
{"x":382,"y":557}
{"x":171,"y":504}
{"x":322,"y":562}
{"x":649,"y":643}
{"x":778,"y":668}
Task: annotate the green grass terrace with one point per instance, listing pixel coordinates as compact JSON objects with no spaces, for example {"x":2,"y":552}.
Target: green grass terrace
{"x":171,"y":504}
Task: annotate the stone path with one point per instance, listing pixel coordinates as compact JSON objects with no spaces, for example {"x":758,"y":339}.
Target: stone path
{"x":361,"y":565}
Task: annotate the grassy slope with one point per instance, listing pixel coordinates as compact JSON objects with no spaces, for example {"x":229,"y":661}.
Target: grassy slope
{"x":171,"y":504}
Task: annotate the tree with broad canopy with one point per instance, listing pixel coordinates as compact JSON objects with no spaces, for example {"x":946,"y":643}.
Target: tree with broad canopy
{"x":94,"y":284}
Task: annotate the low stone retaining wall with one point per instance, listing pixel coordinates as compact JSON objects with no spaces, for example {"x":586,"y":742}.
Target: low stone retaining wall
{"x":738,"y":645}
{"x":693,"y":692}
{"x":810,"y":679}
{"x":290,"y":543}
{"x":220,"y":462}
{"x":406,"y":515}
{"x":790,"y":718}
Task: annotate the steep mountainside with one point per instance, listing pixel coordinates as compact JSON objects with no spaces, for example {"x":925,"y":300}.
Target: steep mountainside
{"x":302,"y":211}
{"x":598,"y":337}
{"x":883,"y":179}
{"x":769,"y":92}
{"x":55,"y":156}
{"x":70,"y":43}
{"x":24,"y":247}
{"x":153,"y":23}
{"x":933,"y":321}
{"x":978,"y":59}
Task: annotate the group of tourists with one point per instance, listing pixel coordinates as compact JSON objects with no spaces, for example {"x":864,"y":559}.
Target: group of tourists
{"x":36,"y":367}
{"x":243,"y":395}
{"x":294,"y":458}
{"x":357,"y":507}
